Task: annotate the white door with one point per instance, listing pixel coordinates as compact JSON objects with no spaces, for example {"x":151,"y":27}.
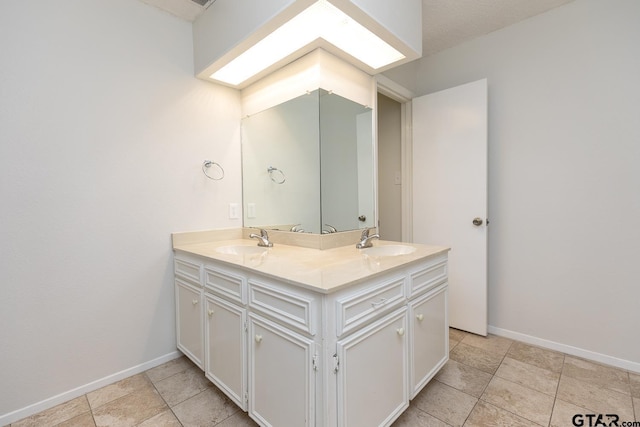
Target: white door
{"x":450,"y":193}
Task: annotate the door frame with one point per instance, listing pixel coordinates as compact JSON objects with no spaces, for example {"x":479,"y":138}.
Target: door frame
{"x":391,"y":89}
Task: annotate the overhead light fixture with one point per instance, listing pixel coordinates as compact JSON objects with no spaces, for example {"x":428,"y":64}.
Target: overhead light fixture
{"x":321,"y":20}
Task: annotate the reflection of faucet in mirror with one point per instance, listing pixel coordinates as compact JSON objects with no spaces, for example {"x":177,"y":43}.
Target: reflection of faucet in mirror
{"x":263,"y":237}
{"x":366,"y":239}
{"x":329,"y":229}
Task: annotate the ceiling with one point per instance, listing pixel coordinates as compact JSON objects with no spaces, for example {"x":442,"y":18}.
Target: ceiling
{"x":445,"y":23}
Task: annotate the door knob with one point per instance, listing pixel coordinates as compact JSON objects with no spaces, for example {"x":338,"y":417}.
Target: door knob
{"x":477,"y":221}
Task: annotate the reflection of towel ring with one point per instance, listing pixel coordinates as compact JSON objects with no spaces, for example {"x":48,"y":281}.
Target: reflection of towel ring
{"x":271,"y":170}
{"x":207,"y":164}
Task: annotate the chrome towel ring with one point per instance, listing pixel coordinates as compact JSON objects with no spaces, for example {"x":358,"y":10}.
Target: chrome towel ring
{"x":207,"y":164}
{"x":278,"y":179}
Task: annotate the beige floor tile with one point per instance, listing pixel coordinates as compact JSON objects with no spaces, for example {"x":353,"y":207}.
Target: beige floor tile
{"x":414,"y":417}
{"x":563,"y":413}
{"x":168,"y":369}
{"x":436,"y":398}
{"x":597,"y":374}
{"x":536,"y":356}
{"x":163,"y":419}
{"x":476,"y":357}
{"x":56,"y":415}
{"x":636,"y":406}
{"x":239,"y":419}
{"x":464,"y":378}
{"x":484,"y":414}
{"x":452,"y":343}
{"x":83,"y":420}
{"x":457,"y":334}
{"x":207,"y":408}
{"x":490,"y":343}
{"x":599,"y":399}
{"x":130,"y":410}
{"x":519,"y":400}
{"x":529,"y":376}
{"x":116,"y":390}
{"x":181,"y":386}
{"x":635,"y":384}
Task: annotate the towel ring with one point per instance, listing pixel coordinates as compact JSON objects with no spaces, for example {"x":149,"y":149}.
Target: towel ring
{"x":271,"y":170}
{"x":207,"y":164}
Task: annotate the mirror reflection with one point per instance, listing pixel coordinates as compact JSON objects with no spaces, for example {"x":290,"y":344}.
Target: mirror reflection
{"x":307,"y":165}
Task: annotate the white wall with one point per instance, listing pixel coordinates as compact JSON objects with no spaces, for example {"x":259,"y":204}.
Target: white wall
{"x":103,"y":130}
{"x":564,"y":174}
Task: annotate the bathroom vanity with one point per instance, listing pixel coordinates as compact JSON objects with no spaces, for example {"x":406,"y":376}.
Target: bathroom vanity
{"x":308,"y":337}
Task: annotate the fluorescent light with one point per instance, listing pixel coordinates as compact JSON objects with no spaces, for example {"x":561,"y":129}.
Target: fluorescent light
{"x":320,"y":20}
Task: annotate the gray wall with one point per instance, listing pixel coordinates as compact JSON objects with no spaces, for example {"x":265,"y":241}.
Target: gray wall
{"x":103,"y":130}
{"x":564,"y":174}
{"x":389,"y":162}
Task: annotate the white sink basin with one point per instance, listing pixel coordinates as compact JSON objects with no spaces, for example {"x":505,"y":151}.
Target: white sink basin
{"x":389,"y":250}
{"x":241,"y":250}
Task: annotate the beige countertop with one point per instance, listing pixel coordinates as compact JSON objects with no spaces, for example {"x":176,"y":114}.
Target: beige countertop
{"x":319,"y":270}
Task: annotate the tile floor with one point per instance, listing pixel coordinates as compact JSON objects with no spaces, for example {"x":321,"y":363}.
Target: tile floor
{"x":489,"y":381}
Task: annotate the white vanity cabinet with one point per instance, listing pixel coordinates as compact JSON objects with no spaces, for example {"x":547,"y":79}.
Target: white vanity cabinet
{"x":281,"y":375}
{"x":225,"y":332}
{"x":188,"y":294}
{"x":373,"y":373}
{"x":428,"y":322}
{"x":282,"y":353}
{"x":295,"y":355}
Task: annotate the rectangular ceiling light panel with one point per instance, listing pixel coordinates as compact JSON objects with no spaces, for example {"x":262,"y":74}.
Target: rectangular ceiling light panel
{"x":320,"y":20}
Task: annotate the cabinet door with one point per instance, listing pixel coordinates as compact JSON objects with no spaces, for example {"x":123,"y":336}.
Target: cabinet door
{"x":189,"y":321}
{"x":373,"y":373}
{"x":430,"y":337}
{"x":225,"y":348}
{"x":281,"y":375}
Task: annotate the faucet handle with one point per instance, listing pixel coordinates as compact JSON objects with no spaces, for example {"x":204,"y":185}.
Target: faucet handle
{"x":365,"y":233}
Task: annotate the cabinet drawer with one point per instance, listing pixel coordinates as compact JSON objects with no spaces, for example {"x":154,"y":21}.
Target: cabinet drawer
{"x":291,"y":308}
{"x":224,"y":284}
{"x":354,"y":310}
{"x":187,"y":270}
{"x":428,"y":277}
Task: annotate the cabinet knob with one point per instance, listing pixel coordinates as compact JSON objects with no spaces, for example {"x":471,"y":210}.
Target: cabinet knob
{"x":420,"y":317}
{"x":258,"y":338}
{"x":400,"y":331}
{"x":194,"y":302}
{"x":211,"y":312}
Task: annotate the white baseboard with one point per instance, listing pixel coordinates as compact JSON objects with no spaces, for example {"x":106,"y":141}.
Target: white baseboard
{"x":564,"y":348}
{"x":50,"y":402}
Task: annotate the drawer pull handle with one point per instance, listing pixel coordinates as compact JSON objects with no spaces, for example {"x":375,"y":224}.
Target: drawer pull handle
{"x":420,"y":317}
{"x":194,"y":302}
{"x":400,"y":331}
{"x":211,"y":312}
{"x":258,"y":338}
{"x":379,"y":303}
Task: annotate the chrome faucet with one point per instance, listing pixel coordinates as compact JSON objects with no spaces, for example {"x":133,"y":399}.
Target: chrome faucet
{"x":366,"y":239}
{"x":263,"y":237}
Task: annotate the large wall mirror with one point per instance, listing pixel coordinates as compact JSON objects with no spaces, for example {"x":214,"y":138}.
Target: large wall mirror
{"x":308,"y":165}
